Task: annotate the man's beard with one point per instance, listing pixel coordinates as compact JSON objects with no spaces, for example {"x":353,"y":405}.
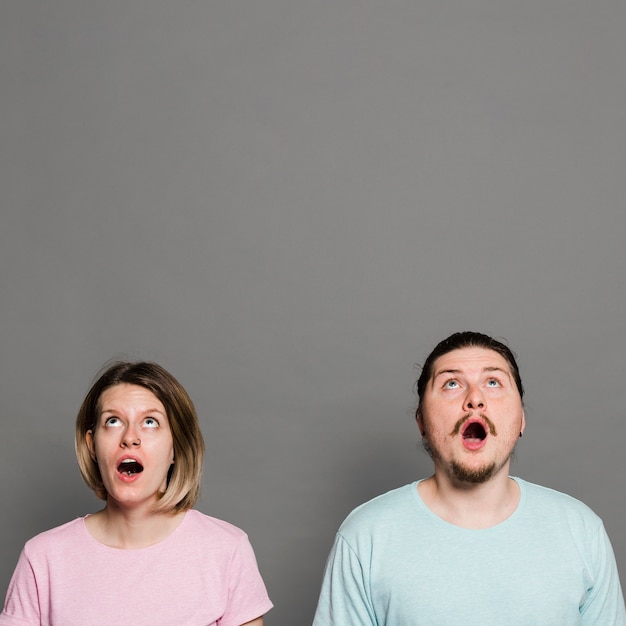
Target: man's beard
{"x":461,"y":472}
{"x":474,"y":476}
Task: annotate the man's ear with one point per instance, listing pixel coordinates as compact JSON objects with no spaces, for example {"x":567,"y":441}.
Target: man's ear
{"x":523,"y":424}
{"x":420,"y":421}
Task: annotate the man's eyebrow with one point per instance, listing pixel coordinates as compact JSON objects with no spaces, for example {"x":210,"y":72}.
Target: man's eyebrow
{"x":495,"y":368}
{"x":492,"y":368}
{"x":447,"y":371}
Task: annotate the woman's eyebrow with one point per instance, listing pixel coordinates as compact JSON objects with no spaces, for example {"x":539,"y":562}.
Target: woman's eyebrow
{"x":155,"y":410}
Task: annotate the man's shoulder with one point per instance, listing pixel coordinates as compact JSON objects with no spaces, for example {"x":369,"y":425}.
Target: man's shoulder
{"x":381,"y":510}
{"x":552,"y":503}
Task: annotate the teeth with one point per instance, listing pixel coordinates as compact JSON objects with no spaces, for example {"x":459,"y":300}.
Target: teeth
{"x":130,"y":466}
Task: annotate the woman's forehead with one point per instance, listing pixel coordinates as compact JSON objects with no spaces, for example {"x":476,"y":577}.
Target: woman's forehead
{"x":126,"y":395}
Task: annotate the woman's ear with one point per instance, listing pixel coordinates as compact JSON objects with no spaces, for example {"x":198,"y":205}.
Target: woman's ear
{"x":90,"y":445}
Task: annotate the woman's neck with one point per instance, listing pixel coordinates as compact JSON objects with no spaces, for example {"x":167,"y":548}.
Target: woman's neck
{"x":130,"y":529}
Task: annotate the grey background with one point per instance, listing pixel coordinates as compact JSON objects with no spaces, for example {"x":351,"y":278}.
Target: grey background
{"x":287,"y":204}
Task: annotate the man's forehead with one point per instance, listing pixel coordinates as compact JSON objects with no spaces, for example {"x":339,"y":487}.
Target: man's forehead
{"x":470,"y":358}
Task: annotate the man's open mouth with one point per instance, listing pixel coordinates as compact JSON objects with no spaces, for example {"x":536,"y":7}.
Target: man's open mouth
{"x":474,"y":431}
{"x":130,"y":467}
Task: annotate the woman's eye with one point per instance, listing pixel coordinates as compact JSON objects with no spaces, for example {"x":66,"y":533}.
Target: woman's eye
{"x":150,"y":422}
{"x":451,"y":384}
{"x":112,"y":422}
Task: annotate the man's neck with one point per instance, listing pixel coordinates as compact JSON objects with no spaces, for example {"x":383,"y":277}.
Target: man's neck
{"x":468,"y":505}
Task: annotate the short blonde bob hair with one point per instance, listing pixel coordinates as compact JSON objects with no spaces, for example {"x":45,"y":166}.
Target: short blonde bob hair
{"x":183,"y":484}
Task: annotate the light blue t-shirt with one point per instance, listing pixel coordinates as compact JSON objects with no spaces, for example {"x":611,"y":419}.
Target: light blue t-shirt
{"x":396,"y":563}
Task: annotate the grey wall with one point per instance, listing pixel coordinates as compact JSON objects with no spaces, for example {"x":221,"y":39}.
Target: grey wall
{"x":288,"y":204}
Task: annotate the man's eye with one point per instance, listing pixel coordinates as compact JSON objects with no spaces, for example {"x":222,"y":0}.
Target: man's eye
{"x":451,"y":384}
{"x":493,"y":382}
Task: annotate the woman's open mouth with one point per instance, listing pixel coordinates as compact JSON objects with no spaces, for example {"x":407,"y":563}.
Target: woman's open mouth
{"x":130,"y":467}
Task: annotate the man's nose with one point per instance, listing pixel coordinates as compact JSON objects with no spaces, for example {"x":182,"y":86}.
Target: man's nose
{"x":474,"y":400}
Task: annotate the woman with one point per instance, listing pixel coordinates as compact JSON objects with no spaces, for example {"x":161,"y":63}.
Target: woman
{"x":147,"y":557}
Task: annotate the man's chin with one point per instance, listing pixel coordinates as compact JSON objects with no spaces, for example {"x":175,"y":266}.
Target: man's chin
{"x":473,"y":475}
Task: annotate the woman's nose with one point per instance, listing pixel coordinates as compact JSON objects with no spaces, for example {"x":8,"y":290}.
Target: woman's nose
{"x":130,"y":438}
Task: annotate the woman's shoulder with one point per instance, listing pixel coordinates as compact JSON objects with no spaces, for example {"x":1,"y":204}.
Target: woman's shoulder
{"x":203,"y":536}
{"x":197,"y":521}
{"x":56,"y":537}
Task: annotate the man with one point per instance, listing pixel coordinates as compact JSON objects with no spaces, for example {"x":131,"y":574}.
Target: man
{"x":471,"y":545}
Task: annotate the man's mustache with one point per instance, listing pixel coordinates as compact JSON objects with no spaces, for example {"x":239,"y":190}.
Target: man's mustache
{"x":457,"y":427}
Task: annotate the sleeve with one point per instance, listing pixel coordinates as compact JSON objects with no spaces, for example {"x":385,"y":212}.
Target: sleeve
{"x":247,"y":595}
{"x":604,"y":601}
{"x":345,"y":597}
{"x":21,"y":606}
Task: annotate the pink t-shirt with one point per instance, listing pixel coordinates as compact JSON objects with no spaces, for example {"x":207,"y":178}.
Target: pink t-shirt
{"x":203,"y":574}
